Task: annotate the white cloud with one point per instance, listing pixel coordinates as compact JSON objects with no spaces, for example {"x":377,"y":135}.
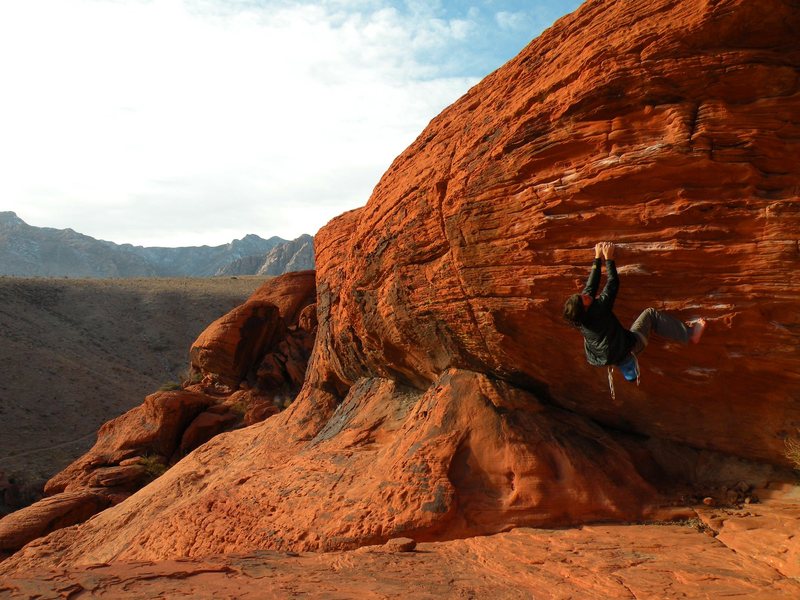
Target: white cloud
{"x":512,"y":20}
{"x":170,"y":122}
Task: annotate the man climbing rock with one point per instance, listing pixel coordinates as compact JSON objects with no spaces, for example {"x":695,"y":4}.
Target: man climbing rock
{"x":606,"y":341}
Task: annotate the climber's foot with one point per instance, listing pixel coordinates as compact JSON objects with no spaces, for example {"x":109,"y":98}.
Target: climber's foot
{"x":696,"y":330}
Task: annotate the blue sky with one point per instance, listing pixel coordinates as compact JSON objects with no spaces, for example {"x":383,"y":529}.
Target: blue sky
{"x":183,"y":122}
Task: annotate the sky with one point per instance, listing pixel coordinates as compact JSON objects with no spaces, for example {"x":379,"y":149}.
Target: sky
{"x":190,"y":122}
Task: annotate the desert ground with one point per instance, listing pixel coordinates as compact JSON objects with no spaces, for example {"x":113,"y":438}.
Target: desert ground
{"x":78,"y":352}
{"x":719,"y":553}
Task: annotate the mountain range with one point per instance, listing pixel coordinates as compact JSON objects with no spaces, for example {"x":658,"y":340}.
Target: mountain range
{"x":29,"y":251}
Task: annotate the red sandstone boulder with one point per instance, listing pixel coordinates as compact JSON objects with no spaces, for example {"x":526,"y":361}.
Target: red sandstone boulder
{"x":670,"y":128}
{"x":205,"y":426}
{"x":154,"y":428}
{"x":230,"y":347}
{"x":470,"y":455}
{"x":46,"y":515}
{"x":128,"y":476}
{"x":253,"y":405}
{"x":259,"y":411}
{"x":276,"y":326}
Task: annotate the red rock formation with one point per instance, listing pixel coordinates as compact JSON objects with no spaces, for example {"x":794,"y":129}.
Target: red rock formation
{"x":268,"y":326}
{"x":153,"y":429}
{"x":275,"y":326}
{"x":49,"y":514}
{"x":599,"y":561}
{"x":468,"y":456}
{"x":205,"y":426}
{"x":434,"y":402}
{"x":668,"y":127}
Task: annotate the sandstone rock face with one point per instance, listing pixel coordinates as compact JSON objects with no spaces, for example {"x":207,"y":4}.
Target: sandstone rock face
{"x":444,"y":396}
{"x":263,"y":328}
{"x":49,"y":514}
{"x":667,"y":127}
{"x":469,"y":455}
{"x":154,"y":428}
{"x":766,"y":531}
{"x":205,"y":426}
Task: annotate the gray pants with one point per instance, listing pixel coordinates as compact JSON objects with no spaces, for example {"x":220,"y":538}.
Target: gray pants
{"x":661,"y":323}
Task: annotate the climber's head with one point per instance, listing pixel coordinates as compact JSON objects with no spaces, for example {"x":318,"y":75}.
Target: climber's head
{"x":575,"y":308}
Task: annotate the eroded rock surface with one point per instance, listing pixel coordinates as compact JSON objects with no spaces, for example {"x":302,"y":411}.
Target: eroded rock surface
{"x":271,"y":327}
{"x":467,"y":456}
{"x":668,"y":127}
{"x":594,"y":563}
{"x":49,"y":514}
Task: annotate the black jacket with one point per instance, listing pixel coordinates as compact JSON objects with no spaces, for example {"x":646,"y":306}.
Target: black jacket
{"x":606,"y":341}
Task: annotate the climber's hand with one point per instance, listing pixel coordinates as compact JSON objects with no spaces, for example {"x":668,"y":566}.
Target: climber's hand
{"x":598,"y":249}
{"x":608,"y":250}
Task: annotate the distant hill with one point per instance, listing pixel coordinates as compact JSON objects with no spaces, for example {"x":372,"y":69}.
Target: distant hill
{"x":78,"y":352}
{"x":29,"y":251}
{"x":295,"y":255}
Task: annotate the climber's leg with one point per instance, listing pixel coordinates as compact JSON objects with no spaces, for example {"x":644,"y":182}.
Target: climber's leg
{"x":654,"y":321}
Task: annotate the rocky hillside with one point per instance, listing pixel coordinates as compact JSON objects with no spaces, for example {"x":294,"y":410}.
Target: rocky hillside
{"x":446,"y":398}
{"x":76,"y":353}
{"x":28,"y":251}
{"x":296,"y":255}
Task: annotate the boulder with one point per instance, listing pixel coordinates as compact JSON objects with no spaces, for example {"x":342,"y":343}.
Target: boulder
{"x":278,"y":320}
{"x":444,"y":396}
{"x":155,"y":427}
{"x":667,"y":127}
{"x":123,"y":476}
{"x":205,"y":426}
{"x":46,"y":515}
{"x":470,"y":455}
{"x":230,"y":347}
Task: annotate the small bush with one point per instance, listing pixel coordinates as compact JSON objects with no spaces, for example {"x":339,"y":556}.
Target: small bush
{"x":190,"y":376}
{"x":240,"y":408}
{"x":154,"y":466}
{"x":170,"y":386}
{"x":793,"y":451}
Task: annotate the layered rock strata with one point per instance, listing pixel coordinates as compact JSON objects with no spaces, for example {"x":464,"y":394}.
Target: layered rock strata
{"x":669,"y":127}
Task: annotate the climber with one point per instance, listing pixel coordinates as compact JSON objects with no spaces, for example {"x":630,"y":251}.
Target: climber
{"x":606,"y":341}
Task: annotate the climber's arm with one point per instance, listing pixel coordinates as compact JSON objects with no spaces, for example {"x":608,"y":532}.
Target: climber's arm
{"x":611,"y":288}
{"x":590,"y":289}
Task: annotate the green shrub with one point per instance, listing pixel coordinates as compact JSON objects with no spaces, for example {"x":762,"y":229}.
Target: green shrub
{"x":170,"y":386}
